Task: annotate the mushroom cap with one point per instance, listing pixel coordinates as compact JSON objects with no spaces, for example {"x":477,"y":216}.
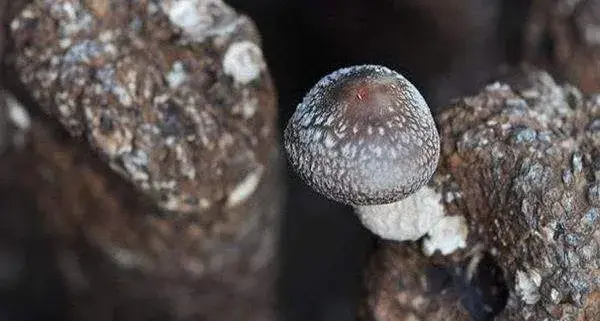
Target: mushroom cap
{"x":363,"y":135}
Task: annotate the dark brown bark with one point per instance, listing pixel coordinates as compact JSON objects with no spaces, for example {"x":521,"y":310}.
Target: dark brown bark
{"x":151,"y":158}
{"x":520,"y":165}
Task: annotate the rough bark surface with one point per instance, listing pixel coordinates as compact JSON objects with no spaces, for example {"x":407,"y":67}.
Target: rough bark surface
{"x":402,"y":284}
{"x":520,"y":164}
{"x":174,"y":95}
{"x":119,"y":259}
{"x":151,"y":155}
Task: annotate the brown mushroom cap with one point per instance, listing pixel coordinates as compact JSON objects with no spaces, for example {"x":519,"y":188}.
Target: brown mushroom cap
{"x":363,"y":135}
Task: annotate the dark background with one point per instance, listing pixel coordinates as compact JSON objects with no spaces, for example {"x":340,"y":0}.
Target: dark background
{"x":447,"y":48}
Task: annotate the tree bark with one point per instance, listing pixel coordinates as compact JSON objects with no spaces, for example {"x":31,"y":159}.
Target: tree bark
{"x":151,"y":155}
{"x":519,"y":168}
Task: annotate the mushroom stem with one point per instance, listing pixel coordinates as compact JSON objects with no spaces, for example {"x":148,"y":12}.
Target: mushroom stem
{"x":420,"y":214}
{"x":405,"y":220}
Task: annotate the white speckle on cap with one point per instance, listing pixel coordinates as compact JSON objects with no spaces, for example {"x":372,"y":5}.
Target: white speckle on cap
{"x":243,"y":61}
{"x":244,"y":189}
{"x":377,"y":151}
{"x":528,"y":285}
{"x":555,"y":296}
{"x":447,"y":236}
{"x":329,"y":120}
{"x":329,"y":141}
{"x":407,"y":219}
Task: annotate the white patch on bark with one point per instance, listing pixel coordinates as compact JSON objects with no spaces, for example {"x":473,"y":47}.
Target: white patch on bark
{"x":528,"y":285}
{"x":245,"y":189}
{"x":447,"y":236}
{"x":243,"y":61}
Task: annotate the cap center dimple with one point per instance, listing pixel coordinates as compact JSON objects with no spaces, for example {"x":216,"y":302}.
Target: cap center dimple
{"x":367,"y":100}
{"x":362,"y":92}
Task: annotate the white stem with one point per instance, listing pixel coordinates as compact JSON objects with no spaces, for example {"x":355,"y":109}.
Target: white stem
{"x":405,"y":220}
{"x":415,"y":216}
